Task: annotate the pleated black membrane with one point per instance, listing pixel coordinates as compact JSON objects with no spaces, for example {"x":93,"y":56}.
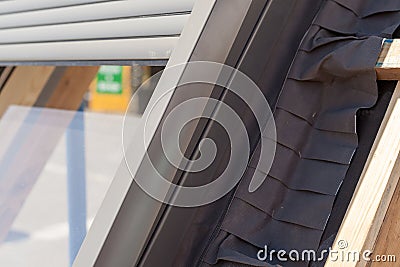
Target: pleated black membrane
{"x":332,"y":77}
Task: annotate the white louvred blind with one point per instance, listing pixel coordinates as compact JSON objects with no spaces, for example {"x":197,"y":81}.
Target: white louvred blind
{"x":79,"y":30}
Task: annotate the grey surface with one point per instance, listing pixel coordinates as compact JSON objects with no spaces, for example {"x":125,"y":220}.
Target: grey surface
{"x":226,"y":49}
{"x":195,"y":231}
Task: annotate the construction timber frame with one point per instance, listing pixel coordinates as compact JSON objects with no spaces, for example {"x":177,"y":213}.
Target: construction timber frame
{"x":371,"y":227}
{"x":45,"y":86}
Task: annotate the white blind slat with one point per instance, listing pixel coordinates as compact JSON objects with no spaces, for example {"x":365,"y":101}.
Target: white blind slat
{"x":124,"y":28}
{"x":99,"y":11}
{"x":29,"y":5}
{"x":124,"y":49}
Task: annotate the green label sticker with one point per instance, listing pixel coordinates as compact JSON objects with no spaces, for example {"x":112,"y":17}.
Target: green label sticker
{"x":109,"y":80}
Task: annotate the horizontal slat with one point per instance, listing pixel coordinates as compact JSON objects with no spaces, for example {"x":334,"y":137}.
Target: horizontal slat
{"x":123,"y":28}
{"x":28,"y":5}
{"x":98,"y":11}
{"x":120,"y":49}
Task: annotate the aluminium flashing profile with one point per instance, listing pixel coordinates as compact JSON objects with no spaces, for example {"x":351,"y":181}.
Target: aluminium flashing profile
{"x":103,"y":222}
{"x":166,"y":233}
{"x":226,"y":49}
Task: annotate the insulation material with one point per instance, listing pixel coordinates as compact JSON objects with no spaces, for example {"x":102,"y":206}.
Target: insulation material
{"x":332,"y":77}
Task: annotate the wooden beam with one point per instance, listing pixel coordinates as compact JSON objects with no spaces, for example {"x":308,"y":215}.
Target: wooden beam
{"x":363,"y":227}
{"x":24,"y":86}
{"x":388,"y":65}
{"x":387,"y":242}
{"x":5,"y":74}
{"x":71,"y":88}
{"x":374,"y":192}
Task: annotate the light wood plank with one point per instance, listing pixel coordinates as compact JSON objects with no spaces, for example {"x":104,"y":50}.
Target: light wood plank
{"x":71,"y":88}
{"x":24,"y":86}
{"x":387,"y":242}
{"x":5,"y":75}
{"x":388,"y":65}
{"x":375,"y":189}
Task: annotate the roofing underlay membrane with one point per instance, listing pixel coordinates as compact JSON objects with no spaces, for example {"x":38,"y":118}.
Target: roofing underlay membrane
{"x":331,"y":78}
